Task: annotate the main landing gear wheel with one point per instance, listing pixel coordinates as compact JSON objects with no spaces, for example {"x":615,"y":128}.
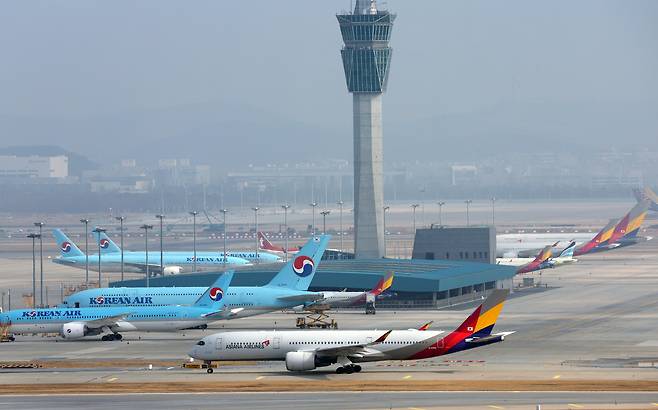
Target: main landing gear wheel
{"x":209,"y":370}
{"x":111,"y":336}
{"x":349,"y":369}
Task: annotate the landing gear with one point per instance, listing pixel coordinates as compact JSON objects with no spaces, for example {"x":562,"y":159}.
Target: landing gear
{"x":348,"y":369}
{"x":111,"y":337}
{"x":208,"y":365}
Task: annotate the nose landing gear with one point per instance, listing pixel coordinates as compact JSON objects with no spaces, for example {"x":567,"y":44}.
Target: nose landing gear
{"x":208,"y":365}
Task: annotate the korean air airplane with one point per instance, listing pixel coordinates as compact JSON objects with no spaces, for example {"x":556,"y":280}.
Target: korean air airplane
{"x":76,"y":323}
{"x":304,"y":350}
{"x":174,"y":262}
{"x":108,"y":246}
{"x":287,"y":289}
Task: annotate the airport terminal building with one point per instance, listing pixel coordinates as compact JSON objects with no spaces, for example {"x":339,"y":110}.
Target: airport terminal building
{"x":418,"y":284}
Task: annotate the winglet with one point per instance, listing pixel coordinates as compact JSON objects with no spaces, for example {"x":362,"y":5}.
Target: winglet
{"x":426,"y":326}
{"x":382,"y":337}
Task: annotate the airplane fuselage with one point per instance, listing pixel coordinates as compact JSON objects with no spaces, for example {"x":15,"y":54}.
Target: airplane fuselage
{"x":274,"y":345}
{"x":243,"y":301}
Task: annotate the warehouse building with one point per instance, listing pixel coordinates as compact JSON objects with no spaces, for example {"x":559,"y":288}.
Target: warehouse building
{"x":418,"y":284}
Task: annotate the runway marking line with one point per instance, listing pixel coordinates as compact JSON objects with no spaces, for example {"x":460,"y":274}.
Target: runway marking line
{"x":557,"y":376}
{"x":415,"y":408}
{"x":260,"y":377}
{"x":112,"y":379}
{"x":495,"y":407}
{"x":578,"y":406}
{"x":407,"y":377}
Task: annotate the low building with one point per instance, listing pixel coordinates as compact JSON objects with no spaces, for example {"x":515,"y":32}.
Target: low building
{"x":34,"y":166}
{"x":473,"y":243}
{"x":418,"y":284}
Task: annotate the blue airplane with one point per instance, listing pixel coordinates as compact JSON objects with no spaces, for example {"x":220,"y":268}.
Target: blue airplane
{"x":287,"y":289}
{"x":174,"y":262}
{"x":108,"y":246}
{"x":76,"y":323}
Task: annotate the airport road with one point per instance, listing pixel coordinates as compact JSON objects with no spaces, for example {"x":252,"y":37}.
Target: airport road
{"x":332,"y":401}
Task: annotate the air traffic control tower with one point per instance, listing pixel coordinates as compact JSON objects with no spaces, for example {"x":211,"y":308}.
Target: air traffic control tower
{"x":366,"y":59}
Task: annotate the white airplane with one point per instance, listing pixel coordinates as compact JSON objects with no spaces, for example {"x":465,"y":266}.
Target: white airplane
{"x":304,"y":350}
{"x":511,"y":246}
{"x":345,"y":299}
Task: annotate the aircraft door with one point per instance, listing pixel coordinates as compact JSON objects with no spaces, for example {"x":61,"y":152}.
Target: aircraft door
{"x":276,"y":342}
{"x":219,"y":344}
{"x":368,"y":340}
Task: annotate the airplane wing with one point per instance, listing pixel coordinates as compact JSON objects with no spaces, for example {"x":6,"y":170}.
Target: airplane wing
{"x":308,"y":297}
{"x":153,"y":268}
{"x":106,"y":321}
{"x":358,"y":350}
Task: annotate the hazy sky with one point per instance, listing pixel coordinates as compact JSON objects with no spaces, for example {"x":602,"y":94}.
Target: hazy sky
{"x":263,"y":78}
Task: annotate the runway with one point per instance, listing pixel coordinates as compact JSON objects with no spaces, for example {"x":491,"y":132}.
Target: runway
{"x":332,"y":401}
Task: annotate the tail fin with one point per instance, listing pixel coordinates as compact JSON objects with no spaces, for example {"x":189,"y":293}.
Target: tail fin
{"x":545,"y":254}
{"x":568,"y":251}
{"x":631,"y":221}
{"x":299,"y":271}
{"x":384,"y":283}
{"x":213,"y":297}
{"x":265,"y":244}
{"x":600,"y":238}
{"x":106,"y":244}
{"x":475,"y":331}
{"x":67,"y":248}
{"x":426,"y":326}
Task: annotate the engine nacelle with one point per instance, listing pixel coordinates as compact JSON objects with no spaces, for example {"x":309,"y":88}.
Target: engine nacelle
{"x":74,"y":330}
{"x":300,"y":361}
{"x":172,"y":270}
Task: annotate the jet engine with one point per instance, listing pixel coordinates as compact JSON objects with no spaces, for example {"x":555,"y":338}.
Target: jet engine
{"x":74,"y":330}
{"x":300,"y":361}
{"x":172,"y":270}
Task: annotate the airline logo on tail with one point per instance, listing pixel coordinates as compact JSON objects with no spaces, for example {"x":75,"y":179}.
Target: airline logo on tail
{"x":385,"y":283}
{"x":303,"y":266}
{"x":474,"y":331}
{"x":104,"y":243}
{"x":216,"y":294}
{"x":66,"y":247}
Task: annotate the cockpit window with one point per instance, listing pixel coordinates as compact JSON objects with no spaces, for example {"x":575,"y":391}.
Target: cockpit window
{"x":201,"y":343}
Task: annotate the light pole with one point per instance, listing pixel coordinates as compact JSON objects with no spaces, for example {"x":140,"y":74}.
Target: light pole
{"x":493,"y":210}
{"x":194,"y":214}
{"x":34,"y":237}
{"x":40,"y":225}
{"x":161,"y":218}
{"x":414,"y":206}
{"x":324,"y":221}
{"x":313,"y":205}
{"x":146,"y":251}
{"x":285,"y":225}
{"x":440,"y":204}
{"x":224,"y":211}
{"x":255,"y":209}
{"x":121,"y":219}
{"x":98,"y":231}
{"x":86,"y":222}
{"x":386,"y":208}
{"x":468,"y":204}
{"x":340,"y":224}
